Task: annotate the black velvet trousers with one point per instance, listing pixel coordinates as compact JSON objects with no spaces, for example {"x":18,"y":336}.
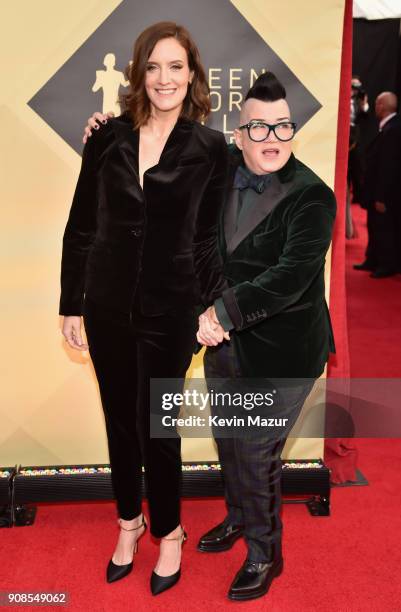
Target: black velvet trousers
{"x":126,"y":352}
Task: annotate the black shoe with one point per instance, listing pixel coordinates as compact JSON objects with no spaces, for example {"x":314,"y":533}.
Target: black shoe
{"x":254,"y":579}
{"x":158,"y":584}
{"x":381,"y":273}
{"x":116,"y":572}
{"x":221,"y":537}
{"x":364,"y":266}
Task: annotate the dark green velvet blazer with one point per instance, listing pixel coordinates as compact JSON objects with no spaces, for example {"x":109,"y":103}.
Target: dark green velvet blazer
{"x":274,"y":266}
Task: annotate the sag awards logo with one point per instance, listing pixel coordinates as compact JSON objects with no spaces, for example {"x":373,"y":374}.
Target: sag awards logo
{"x":110,"y":81}
{"x":233,"y":54}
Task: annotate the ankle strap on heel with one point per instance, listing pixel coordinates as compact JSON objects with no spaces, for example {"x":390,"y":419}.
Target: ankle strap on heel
{"x":143,"y":524}
{"x":182,"y":536}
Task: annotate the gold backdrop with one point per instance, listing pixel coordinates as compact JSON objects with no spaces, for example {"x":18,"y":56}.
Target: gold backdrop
{"x":50,"y":405}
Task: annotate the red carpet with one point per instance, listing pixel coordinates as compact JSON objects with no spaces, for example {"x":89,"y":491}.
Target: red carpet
{"x":374,"y":313}
{"x":349,"y":562}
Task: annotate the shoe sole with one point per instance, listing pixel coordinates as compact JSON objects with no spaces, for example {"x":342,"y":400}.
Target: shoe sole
{"x":221,"y":548}
{"x":234,"y":597}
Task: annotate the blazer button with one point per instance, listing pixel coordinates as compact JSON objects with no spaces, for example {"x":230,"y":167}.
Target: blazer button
{"x":136,"y":232}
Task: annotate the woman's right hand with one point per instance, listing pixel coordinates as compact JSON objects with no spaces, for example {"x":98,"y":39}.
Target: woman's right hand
{"x":72,"y":333}
{"x":93,"y":123}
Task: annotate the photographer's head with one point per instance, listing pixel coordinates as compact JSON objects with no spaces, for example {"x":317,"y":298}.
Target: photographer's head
{"x":266,"y":131}
{"x":356,"y":84}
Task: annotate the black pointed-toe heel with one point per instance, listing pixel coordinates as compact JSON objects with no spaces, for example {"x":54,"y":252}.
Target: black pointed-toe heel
{"x":116,"y":572}
{"x":158,"y":584}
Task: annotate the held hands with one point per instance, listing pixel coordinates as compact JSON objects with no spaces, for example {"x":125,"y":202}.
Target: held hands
{"x":210,"y":331}
{"x":93,"y":124}
{"x":72,"y":333}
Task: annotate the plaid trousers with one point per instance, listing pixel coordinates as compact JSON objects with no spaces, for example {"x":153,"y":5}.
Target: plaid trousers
{"x":251,"y":466}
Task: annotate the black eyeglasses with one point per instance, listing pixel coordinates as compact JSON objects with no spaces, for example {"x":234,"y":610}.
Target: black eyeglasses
{"x":259,"y":130}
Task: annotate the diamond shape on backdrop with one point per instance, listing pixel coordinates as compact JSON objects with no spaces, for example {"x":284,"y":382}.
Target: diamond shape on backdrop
{"x":92,"y":77}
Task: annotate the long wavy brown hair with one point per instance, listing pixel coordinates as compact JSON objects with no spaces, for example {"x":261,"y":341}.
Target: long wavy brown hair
{"x":196,"y":104}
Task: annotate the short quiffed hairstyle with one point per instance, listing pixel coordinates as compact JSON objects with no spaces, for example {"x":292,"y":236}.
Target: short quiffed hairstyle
{"x":267,"y":88}
{"x":196,"y":104}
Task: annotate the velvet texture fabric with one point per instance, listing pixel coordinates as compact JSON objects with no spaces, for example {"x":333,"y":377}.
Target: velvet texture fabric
{"x":125,"y":356}
{"x":136,"y":262}
{"x":159,"y":241}
{"x":274,"y":265}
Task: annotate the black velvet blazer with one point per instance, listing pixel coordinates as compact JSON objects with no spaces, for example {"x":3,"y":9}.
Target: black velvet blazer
{"x":156,"y":245}
{"x":274,"y":265}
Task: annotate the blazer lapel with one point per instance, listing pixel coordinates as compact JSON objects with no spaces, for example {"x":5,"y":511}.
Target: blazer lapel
{"x":178,"y":139}
{"x":280,"y":184}
{"x":230,"y":216}
{"x":128,"y":142}
{"x":231,"y":203}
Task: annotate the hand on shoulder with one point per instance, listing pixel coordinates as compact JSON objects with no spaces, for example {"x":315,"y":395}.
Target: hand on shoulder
{"x":94,"y":123}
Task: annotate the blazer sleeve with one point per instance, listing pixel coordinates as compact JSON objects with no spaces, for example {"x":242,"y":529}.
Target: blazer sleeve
{"x":79,"y":233}
{"x":309,"y":234}
{"x":207,"y":260}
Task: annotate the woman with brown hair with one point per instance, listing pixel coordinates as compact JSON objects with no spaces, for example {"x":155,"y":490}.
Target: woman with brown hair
{"x":139,"y":253}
